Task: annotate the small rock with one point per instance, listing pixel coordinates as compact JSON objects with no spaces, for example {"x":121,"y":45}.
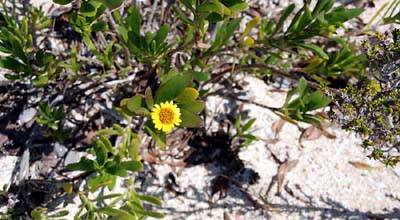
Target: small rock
{"x":73,"y":157}
{"x":24,"y":165}
{"x":60,"y":149}
{"x":3,"y":139}
{"x":7,"y":166}
{"x":26,"y":116}
{"x":3,"y":80}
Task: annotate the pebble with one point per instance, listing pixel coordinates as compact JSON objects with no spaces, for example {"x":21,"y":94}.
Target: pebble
{"x":7,"y":167}
{"x":26,"y":116}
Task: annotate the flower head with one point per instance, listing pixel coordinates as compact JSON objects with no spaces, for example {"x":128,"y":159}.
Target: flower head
{"x":166,"y":116}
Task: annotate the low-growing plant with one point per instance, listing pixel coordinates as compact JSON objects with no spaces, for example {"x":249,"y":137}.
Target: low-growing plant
{"x":300,"y":103}
{"x":307,"y":39}
{"x":392,"y":13}
{"x":53,"y":118}
{"x":18,"y":52}
{"x":371,"y":106}
{"x":110,"y":163}
{"x":243,"y":132}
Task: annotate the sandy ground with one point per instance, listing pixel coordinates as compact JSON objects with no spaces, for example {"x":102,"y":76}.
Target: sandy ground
{"x":324,"y":184}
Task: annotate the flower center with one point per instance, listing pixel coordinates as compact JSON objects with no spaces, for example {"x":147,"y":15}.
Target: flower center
{"x":166,"y":116}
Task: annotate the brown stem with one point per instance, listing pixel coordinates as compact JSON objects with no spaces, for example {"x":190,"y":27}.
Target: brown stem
{"x":275,"y":71}
{"x":114,"y":29}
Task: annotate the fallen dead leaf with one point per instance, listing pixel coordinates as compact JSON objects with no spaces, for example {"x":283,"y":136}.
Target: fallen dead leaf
{"x":150,"y":158}
{"x":203,"y":45}
{"x":234,"y":216}
{"x":328,"y":134}
{"x":227,"y":216}
{"x":311,"y":133}
{"x":272,"y":141}
{"x":363,"y":166}
{"x":277,"y":127}
{"x":283,"y":170}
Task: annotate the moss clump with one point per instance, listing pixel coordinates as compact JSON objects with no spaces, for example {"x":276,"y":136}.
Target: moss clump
{"x":371,"y":106}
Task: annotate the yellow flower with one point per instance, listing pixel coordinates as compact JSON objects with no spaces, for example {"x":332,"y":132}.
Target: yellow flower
{"x":166,"y":116}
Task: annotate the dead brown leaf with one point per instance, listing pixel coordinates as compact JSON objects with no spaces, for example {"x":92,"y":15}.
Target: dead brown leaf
{"x":277,"y":127}
{"x":311,"y":133}
{"x":227,"y":216}
{"x":323,"y":114}
{"x":284,"y":169}
{"x":272,"y":141}
{"x":150,"y":158}
{"x":362,"y":166}
{"x":234,"y":216}
{"x":328,"y":134}
{"x":203,"y":45}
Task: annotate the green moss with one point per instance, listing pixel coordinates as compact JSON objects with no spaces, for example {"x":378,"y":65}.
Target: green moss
{"x":371,"y":106}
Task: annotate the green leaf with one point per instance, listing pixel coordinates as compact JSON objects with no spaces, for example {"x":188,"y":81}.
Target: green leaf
{"x":59,"y":214}
{"x":341,"y":14}
{"x":106,"y":143}
{"x":132,"y":165}
{"x":216,"y":6}
{"x":301,"y":20}
{"x":172,"y":88}
{"x":248,"y":125}
{"x":188,"y":4}
{"x":239,"y":7}
{"x":322,"y":5}
{"x":134,"y":147}
{"x":188,"y":94}
{"x":194,"y":106}
{"x":88,"y":9}
{"x":136,"y":207}
{"x":161,"y":35}
{"x":134,"y":21}
{"x":113,"y":168}
{"x":316,"y":49}
{"x":288,"y":10}
{"x":237,"y":122}
{"x":134,"y":104}
{"x":62,"y":2}
{"x":201,"y":76}
{"x":182,"y":16}
{"x":149,"y":98}
{"x":102,"y":180}
{"x":149,"y":213}
{"x":99,"y":26}
{"x":111,"y":4}
{"x":89,"y":43}
{"x":316,"y":100}
{"x":100,"y":151}
{"x":108,"y":196}
{"x":43,"y":58}
{"x":302,"y":87}
{"x":84,"y":164}
{"x":312,"y":119}
{"x":189,"y":119}
{"x":223,"y":33}
{"x":41,"y":80}
{"x":150,"y":199}
{"x":38,"y":215}
{"x":158,"y":136}
{"x":12,"y":64}
{"x":121,"y":214}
